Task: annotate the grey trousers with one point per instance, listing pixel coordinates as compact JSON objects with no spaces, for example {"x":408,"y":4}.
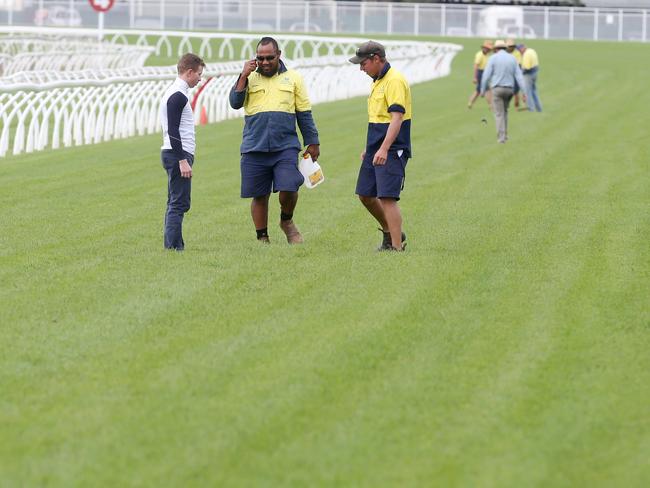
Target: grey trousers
{"x":500,"y":100}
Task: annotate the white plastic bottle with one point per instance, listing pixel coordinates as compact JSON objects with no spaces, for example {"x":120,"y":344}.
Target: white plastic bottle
{"x":311,"y":171}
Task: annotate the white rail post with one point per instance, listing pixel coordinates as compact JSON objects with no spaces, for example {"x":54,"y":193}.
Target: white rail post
{"x":362,"y":18}
{"x":571,"y":23}
{"x":389,"y":18}
{"x":306,"y":29}
{"x":191,"y":18}
{"x":620,"y":25}
{"x":416,"y":19}
{"x":249,"y":20}
{"x":644,"y":26}
{"x":596,"y":16}
{"x":335,"y":11}
{"x":131,"y":13}
{"x":469,"y":19}
{"x":443,"y":19}
{"x":71,"y":7}
{"x":546,"y":16}
{"x":278,"y":16}
{"x":162,"y":14}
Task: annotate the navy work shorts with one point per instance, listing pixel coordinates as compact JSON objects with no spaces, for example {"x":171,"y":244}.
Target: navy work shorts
{"x":263,"y":172}
{"x":385,"y":181}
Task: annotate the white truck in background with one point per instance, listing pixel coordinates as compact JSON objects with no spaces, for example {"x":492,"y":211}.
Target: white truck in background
{"x":503,"y":21}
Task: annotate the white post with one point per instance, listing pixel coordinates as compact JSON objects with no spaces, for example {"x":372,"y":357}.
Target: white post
{"x":306,"y":29}
{"x":469,"y":20}
{"x":249,"y":21}
{"x":162,"y":14}
{"x":278,"y":15}
{"x":100,"y":26}
{"x":389,"y":19}
{"x":191,"y":19}
{"x":335,"y":11}
{"x":220,"y":10}
{"x":644,"y":28}
{"x":596,"y":17}
{"x":10,"y":14}
{"x":571,"y":23}
{"x":416,"y":19}
{"x":362,"y":18}
{"x":131,"y":14}
{"x":443,"y":20}
{"x":546,"y":15}
{"x":71,"y":10}
{"x":620,"y":25}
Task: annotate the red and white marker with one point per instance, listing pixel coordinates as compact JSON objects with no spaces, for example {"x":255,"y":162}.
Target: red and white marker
{"x":101,"y":6}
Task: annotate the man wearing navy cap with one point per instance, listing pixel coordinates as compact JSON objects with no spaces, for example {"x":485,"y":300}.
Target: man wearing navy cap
{"x":388,"y":143}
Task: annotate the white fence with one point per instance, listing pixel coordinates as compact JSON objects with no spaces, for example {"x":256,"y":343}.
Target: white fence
{"x":50,"y":109}
{"x":26,"y":53}
{"x":342,"y":17}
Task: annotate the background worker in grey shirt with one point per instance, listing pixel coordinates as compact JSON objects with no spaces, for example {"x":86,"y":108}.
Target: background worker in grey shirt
{"x":500,"y":75}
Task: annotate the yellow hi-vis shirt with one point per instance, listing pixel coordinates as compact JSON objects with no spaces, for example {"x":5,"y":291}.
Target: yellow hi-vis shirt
{"x":273,"y":105}
{"x":517,"y":54}
{"x":529,"y":60}
{"x":390,"y":93}
{"x":283,"y":92}
{"x":481,"y":60}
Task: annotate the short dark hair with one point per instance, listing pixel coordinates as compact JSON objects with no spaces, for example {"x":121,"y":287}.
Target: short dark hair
{"x":269,"y":40}
{"x":189,"y":61}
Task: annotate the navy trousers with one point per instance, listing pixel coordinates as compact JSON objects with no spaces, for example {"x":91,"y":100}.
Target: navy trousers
{"x":178,"y":199}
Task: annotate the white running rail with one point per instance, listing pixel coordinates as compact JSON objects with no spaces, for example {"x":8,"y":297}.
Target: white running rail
{"x":18,"y":54}
{"x":51,"y":109}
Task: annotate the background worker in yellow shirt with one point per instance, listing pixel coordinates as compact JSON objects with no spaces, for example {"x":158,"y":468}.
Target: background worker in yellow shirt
{"x":511,"y":47}
{"x":480,"y":62}
{"x":530,"y":68}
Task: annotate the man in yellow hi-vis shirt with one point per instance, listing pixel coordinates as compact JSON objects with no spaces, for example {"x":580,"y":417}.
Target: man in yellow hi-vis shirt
{"x":530,"y":68}
{"x":388,"y":143}
{"x":480,"y":62}
{"x":274,"y":99}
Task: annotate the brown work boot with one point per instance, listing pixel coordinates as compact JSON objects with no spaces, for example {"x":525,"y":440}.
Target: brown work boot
{"x":291,"y":231}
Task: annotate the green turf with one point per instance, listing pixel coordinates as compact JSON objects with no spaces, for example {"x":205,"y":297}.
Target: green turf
{"x":508,"y":347}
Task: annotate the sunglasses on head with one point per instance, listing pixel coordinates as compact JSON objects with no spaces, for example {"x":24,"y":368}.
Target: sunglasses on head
{"x":266,"y":58}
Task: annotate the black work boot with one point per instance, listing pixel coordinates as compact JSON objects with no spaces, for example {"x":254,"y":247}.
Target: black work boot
{"x":387,"y":242}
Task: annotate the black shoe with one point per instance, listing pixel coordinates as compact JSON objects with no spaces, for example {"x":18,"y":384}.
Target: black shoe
{"x":391,"y":248}
{"x":387,"y":243}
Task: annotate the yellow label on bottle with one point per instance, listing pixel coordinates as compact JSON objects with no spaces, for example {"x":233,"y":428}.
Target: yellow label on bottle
{"x":315,"y":177}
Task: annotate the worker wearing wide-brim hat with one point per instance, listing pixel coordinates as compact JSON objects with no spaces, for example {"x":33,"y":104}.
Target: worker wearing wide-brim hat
{"x":480,"y":61}
{"x":501,"y":74}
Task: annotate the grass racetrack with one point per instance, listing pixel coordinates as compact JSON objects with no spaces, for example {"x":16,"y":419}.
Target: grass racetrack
{"x":509,"y":346}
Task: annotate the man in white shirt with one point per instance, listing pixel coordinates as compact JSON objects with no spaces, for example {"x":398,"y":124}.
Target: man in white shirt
{"x":177,"y":121}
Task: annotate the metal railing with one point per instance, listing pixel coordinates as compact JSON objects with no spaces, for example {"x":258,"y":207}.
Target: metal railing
{"x":326,"y":16}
